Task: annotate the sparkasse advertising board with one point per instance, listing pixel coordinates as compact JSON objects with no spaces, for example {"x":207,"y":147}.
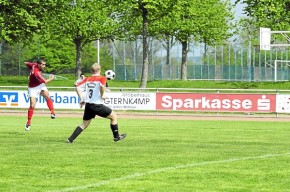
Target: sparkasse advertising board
{"x":216,"y":102}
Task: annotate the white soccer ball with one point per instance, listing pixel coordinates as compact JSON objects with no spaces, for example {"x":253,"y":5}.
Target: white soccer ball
{"x":110,"y":74}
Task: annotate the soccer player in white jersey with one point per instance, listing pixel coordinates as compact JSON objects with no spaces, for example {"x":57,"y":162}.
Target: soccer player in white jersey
{"x":94,"y":87}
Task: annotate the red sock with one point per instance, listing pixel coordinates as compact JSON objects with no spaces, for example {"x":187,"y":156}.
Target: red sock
{"x":50,"y":105}
{"x":29,"y":115}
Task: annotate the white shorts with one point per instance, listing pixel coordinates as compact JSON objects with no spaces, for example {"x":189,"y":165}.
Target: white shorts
{"x":35,"y":91}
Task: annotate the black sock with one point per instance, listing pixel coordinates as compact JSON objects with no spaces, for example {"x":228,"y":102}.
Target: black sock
{"x":114,"y":129}
{"x":76,"y":133}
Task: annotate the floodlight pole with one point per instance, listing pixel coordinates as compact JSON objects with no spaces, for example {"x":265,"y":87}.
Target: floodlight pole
{"x":98,"y":45}
{"x":275,"y":71}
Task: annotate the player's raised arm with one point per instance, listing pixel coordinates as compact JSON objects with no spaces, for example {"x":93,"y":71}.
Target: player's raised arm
{"x":30,"y":66}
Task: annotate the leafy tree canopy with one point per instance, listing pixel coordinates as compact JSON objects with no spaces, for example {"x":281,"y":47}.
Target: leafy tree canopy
{"x":206,"y":21}
{"x":82,"y":20}
{"x":59,"y":54}
{"x":274,"y":14}
{"x":130,"y":15}
{"x":19,"y":20}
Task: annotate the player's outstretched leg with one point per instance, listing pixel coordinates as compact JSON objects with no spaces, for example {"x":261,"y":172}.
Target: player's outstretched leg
{"x":117,"y":136}
{"x":29,"y":117}
{"x":49,"y":103}
{"x":51,"y":108}
{"x":74,"y":135}
{"x":114,"y":127}
{"x":78,"y":130}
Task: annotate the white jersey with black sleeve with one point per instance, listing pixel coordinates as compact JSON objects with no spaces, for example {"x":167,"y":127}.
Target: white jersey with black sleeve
{"x":91,"y":85}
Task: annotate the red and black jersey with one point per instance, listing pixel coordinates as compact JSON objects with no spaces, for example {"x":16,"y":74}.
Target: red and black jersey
{"x":35,"y":76}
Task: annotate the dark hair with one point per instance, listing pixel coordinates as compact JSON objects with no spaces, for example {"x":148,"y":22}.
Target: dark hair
{"x":82,"y":74}
{"x":40,"y":61}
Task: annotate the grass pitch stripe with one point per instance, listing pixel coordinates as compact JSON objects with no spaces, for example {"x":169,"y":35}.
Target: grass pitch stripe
{"x":135,"y":175}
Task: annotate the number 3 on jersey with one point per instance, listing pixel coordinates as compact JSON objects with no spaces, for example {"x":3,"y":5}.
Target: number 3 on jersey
{"x":90,"y":93}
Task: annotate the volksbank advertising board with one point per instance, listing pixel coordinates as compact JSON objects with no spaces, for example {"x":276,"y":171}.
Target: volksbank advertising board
{"x":20,"y":99}
{"x":70,"y":100}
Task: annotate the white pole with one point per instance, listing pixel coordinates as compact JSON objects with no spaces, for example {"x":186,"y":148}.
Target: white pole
{"x":98,"y":44}
{"x":113,"y":55}
{"x":275,"y":71}
{"x":124,"y":58}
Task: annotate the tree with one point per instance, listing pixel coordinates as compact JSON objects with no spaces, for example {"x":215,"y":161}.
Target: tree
{"x":168,"y":44}
{"x":60,"y":55}
{"x":269,"y":13}
{"x":205,"y":21}
{"x":82,"y":22}
{"x":19,"y":20}
{"x":139,"y":14}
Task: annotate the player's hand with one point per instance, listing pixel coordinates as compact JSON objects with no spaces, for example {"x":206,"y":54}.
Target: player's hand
{"x":51,"y":76}
{"x":82,"y":103}
{"x":104,"y":97}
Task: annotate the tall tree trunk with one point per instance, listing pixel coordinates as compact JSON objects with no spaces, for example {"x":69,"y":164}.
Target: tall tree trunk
{"x":144,"y":76}
{"x":78,"y":44}
{"x":184,"y":61}
{"x":168,"y":48}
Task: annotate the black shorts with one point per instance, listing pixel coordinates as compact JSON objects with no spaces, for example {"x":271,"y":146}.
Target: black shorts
{"x":91,"y":110}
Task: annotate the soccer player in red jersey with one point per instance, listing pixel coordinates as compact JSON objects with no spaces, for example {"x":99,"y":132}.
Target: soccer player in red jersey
{"x":93,"y":99}
{"x":37,"y":87}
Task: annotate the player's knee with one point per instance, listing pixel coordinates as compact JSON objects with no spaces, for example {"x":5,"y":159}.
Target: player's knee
{"x":113,"y":116}
{"x":32,"y":105}
{"x":45,"y":94}
{"x":84,"y":126}
{"x":46,"y":97}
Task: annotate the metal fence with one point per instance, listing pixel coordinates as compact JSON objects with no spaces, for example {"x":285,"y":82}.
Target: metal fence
{"x":231,"y":62}
{"x":227,"y":63}
{"x":204,"y":72}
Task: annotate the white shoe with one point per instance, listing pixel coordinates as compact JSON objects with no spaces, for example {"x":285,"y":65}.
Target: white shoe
{"x":27,"y":127}
{"x":52,"y":116}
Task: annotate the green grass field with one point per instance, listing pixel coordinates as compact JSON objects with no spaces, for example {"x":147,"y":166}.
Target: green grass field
{"x":157,"y":155}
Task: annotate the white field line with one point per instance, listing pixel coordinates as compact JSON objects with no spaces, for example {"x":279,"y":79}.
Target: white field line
{"x":135,"y":175}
